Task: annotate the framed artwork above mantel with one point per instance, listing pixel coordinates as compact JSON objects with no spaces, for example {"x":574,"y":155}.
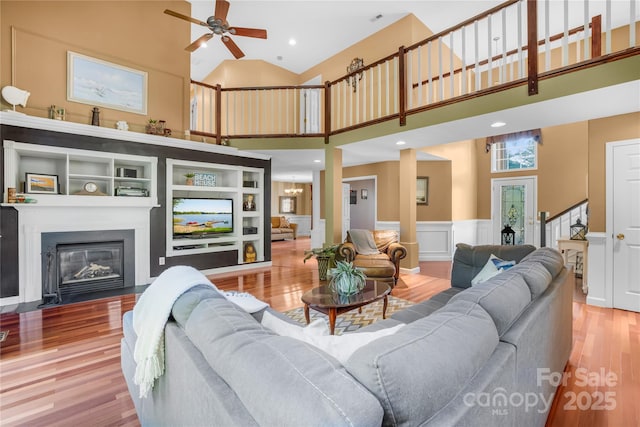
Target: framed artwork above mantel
{"x":94,"y":82}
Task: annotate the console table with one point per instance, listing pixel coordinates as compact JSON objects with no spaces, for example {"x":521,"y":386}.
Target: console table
{"x":565,"y":245}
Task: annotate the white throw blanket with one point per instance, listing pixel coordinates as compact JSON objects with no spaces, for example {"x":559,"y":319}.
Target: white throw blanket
{"x":150,"y":315}
{"x":152,"y":310}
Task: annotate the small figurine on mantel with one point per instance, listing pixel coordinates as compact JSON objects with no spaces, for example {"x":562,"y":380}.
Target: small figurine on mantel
{"x":95,"y":117}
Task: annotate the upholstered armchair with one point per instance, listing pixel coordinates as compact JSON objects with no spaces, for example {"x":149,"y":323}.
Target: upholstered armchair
{"x":378,"y":258}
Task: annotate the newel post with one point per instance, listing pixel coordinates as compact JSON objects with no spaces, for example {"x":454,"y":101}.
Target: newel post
{"x":532,"y":46}
{"x":402,"y":86}
{"x":219,"y":114}
{"x":596,"y":36}
{"x":327,"y":111}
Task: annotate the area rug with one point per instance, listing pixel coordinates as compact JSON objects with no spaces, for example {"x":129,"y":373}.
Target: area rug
{"x":352,"y":320}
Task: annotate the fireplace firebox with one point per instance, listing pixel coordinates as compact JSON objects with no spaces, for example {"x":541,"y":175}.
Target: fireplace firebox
{"x":75,"y":263}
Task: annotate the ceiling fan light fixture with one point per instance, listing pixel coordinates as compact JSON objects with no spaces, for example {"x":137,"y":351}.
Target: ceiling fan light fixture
{"x":203,"y":44}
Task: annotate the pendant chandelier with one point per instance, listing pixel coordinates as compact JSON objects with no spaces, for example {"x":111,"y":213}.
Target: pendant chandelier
{"x":293,"y":191}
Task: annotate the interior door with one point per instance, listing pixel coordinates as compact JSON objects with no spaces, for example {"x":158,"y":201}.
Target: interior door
{"x":514,"y":204}
{"x":626,"y":226}
{"x":310,"y":107}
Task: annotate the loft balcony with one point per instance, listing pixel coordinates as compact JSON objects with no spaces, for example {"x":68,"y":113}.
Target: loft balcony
{"x":517,"y":45}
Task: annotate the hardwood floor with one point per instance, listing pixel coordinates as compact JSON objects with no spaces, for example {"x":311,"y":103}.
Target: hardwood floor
{"x":61,"y":366}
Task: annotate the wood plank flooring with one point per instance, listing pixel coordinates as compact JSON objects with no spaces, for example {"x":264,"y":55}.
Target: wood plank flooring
{"x":61,"y":366}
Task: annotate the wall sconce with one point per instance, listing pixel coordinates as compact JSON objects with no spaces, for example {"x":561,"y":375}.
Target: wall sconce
{"x":355,"y":65}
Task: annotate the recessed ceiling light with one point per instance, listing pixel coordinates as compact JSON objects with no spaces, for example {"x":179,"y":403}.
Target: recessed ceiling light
{"x":400,"y":143}
{"x":497,"y":124}
{"x":292,"y":42}
{"x":317,"y":161}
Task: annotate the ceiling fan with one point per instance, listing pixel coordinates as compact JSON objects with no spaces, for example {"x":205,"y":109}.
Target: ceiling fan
{"x":219,"y":26}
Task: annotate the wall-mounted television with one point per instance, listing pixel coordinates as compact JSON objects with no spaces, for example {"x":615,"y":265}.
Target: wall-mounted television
{"x":201,"y":217}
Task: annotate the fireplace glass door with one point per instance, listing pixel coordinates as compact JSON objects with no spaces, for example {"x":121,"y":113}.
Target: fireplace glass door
{"x":90,"y":267}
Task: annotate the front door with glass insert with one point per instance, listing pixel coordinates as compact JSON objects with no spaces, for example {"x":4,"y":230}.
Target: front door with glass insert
{"x":513,"y":204}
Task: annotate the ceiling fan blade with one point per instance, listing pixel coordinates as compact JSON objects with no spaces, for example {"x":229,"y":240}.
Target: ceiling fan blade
{"x":196,"y":44}
{"x":233,"y":48}
{"x":185,"y":17}
{"x":222,"y":8}
{"x":249,"y":32}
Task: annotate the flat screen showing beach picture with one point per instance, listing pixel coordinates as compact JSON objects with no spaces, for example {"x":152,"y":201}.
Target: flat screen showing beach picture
{"x":200,"y":217}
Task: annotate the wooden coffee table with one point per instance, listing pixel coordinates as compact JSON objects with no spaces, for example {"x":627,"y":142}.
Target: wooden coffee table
{"x":324,"y":300}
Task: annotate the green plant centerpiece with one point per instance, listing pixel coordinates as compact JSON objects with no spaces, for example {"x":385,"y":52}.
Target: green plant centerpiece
{"x":325,"y":256}
{"x":347,"y":279}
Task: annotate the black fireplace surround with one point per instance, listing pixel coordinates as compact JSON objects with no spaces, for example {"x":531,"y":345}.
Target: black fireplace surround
{"x":80,"y":262}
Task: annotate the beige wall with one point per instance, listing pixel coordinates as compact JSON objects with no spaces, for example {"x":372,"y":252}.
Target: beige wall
{"x":136,"y":34}
{"x":303,"y":201}
{"x":601,"y":131}
{"x":250,"y":73}
{"x":388,"y":182}
{"x":464,"y":184}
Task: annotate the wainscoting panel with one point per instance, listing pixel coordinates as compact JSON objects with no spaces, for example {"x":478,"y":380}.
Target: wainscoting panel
{"x":435,"y":240}
{"x":600,"y":290}
{"x":465,"y":232}
{"x":304,"y":223}
{"x":484,"y":231}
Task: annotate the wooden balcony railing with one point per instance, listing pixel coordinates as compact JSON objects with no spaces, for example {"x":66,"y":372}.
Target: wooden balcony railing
{"x":493,"y":51}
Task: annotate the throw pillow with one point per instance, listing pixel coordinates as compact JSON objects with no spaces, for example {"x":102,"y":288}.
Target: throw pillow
{"x":284,"y":222}
{"x":317,"y":334}
{"x":284,"y":328}
{"x":493,"y":267}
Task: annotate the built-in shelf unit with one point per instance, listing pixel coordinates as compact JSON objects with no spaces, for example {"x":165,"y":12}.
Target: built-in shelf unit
{"x":244,"y":186}
{"x":72,"y":169}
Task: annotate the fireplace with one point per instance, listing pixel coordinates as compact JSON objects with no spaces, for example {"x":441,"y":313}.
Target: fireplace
{"x":83,"y":262}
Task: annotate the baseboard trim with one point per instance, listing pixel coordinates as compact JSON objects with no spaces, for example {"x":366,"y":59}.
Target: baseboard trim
{"x":414,"y":270}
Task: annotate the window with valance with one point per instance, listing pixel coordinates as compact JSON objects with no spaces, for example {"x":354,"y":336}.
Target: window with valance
{"x":514,"y":151}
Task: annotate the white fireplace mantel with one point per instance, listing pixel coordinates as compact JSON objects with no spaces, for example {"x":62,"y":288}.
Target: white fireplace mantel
{"x":35,"y":220}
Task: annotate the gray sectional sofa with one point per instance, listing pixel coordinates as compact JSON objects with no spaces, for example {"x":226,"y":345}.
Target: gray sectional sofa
{"x":469,"y":356}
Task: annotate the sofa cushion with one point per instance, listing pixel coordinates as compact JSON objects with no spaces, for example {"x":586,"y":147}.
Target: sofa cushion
{"x":443,"y":351}
{"x":280,"y":380}
{"x":504,"y":297}
{"x":189,"y":300}
{"x":469,"y":260}
{"x":535,"y":275}
{"x":549,"y":257}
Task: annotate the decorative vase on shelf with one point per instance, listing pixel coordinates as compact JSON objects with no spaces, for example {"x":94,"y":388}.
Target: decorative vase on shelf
{"x":189,"y":178}
{"x":347,"y":279}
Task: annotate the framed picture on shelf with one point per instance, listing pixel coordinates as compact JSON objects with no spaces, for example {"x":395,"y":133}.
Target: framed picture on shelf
{"x":422,"y":190}
{"x":40,"y":183}
{"x":249,"y":203}
{"x":287,"y":204}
